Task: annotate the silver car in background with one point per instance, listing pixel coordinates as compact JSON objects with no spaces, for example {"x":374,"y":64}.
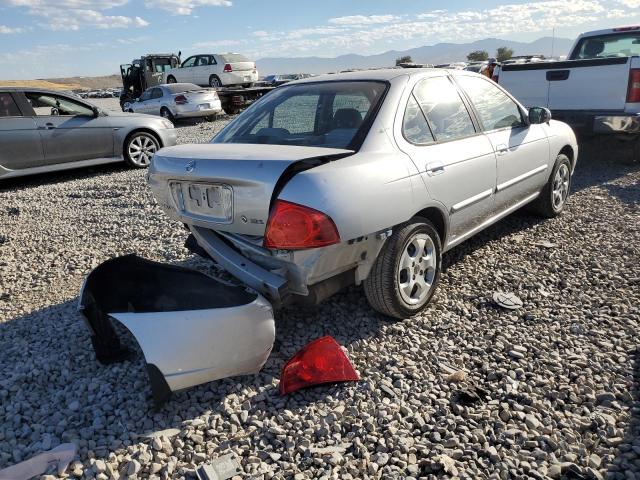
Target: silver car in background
{"x":365,"y":178}
{"x":176,"y":101}
{"x":44,"y":130}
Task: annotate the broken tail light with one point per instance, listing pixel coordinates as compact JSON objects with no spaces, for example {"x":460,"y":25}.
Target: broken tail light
{"x":321,"y":361}
{"x":292,"y":226}
{"x":227,"y":68}
{"x":181,"y":100}
{"x":633,"y":92}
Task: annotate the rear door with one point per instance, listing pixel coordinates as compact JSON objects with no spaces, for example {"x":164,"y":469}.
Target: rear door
{"x":69,"y":129}
{"x":155,"y":102}
{"x":455,"y":160}
{"x":19,"y":136}
{"x":522,"y":150}
{"x":202,"y":70}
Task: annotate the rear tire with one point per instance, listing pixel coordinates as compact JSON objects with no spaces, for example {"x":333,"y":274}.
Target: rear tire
{"x":553,"y":197}
{"x":171,"y":79}
{"x":405,"y":275}
{"x":214,"y":81}
{"x":166,"y":113}
{"x":139,"y":148}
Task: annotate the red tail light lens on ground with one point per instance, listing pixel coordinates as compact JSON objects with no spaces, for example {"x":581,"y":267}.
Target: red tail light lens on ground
{"x":181,"y":100}
{"x":633,"y":93}
{"x":318,"y":362}
{"x":292,"y":226}
{"x":227,"y":68}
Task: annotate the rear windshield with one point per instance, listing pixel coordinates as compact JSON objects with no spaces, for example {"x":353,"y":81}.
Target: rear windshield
{"x":182,"y":87}
{"x":233,"y":58}
{"x":624,"y":44}
{"x":327,"y":114}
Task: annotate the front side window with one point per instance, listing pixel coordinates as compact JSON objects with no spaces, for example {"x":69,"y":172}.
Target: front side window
{"x":608,"y":46}
{"x":495,"y":108}
{"x":444,"y":109}
{"x":326,"y":114}
{"x":8,"y":107}
{"x":414,"y":126}
{"x":146,"y":95}
{"x":189,"y":62}
{"x":45,"y":104}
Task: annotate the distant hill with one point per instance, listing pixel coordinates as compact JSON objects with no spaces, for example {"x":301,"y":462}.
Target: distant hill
{"x":71,"y":83}
{"x":439,"y":53}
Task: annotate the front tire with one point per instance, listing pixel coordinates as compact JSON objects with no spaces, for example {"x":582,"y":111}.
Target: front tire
{"x":405,"y":275}
{"x":139,"y":148}
{"x":553,"y":197}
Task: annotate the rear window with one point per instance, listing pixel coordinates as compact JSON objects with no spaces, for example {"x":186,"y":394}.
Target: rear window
{"x":327,"y":114}
{"x":182,"y":87}
{"x":8,"y":107}
{"x":613,"y":45}
{"x":234,"y":58}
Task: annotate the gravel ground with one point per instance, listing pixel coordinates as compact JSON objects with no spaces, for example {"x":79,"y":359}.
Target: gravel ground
{"x":466,"y":389}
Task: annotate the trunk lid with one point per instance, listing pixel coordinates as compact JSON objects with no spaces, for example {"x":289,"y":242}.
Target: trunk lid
{"x":199,"y":96}
{"x":228,"y":187}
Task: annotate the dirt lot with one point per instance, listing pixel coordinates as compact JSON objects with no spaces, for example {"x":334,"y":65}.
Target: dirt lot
{"x":550,"y":390}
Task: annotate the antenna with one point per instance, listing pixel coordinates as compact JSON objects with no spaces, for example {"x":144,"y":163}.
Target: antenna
{"x":553,"y":40}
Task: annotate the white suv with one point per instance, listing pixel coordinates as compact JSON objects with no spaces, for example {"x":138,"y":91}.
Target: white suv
{"x":214,"y":70}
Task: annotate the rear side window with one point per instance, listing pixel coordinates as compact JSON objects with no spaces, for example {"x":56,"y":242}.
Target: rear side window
{"x":156,"y":93}
{"x":495,"y":108}
{"x":444,"y":109}
{"x":8,"y":107}
{"x":414,"y":126}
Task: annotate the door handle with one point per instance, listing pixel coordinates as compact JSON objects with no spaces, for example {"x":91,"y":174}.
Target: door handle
{"x":557,"y":75}
{"x":502,"y":149}
{"x":48,"y":126}
{"x":435,"y":168}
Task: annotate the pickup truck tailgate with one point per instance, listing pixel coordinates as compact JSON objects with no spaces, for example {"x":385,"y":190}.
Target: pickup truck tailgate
{"x":529,"y":86}
{"x":589,"y":84}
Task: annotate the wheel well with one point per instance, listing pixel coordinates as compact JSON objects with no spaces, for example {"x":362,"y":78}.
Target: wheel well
{"x":435,"y":216}
{"x":568,"y":151}
{"x":144,"y":130}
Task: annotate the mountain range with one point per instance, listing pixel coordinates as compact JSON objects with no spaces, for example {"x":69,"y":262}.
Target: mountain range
{"x":439,"y":53}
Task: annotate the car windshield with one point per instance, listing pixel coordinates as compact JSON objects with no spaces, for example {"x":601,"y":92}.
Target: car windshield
{"x":234,"y":58}
{"x":330,"y":114}
{"x":607,"y":46}
{"x":182,"y":87}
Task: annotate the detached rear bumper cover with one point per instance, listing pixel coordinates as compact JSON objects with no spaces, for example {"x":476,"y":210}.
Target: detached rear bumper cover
{"x":191,"y":328}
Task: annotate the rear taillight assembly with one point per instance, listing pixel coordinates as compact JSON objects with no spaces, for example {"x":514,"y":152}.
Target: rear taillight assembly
{"x":633,"y":92}
{"x":181,"y":100}
{"x":227,"y":68}
{"x":321,"y":361}
{"x":294,"y":227}
{"x":629,"y":28}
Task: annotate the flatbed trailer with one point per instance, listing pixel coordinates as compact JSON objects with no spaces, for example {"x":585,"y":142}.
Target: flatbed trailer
{"x":234,"y":99}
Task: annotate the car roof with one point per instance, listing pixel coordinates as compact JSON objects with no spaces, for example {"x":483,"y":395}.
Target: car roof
{"x":373,"y":75}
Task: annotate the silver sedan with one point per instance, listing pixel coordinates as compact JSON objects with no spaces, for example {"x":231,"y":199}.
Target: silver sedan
{"x":364,"y":178}
{"x":44,"y":130}
{"x":177,"y":100}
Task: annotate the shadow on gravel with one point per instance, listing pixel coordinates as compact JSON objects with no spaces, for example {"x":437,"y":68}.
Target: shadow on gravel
{"x":32,"y":181}
{"x":626,"y":455}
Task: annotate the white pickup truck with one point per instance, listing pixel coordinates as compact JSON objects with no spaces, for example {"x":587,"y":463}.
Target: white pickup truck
{"x":596,"y":90}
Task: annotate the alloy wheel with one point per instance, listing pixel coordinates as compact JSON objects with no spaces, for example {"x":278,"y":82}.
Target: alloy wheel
{"x":417,"y":269}
{"x":142,"y":147}
{"x":560,"y":189}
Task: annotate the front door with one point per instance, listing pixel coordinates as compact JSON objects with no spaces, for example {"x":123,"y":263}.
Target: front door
{"x":19,"y":137}
{"x":69,"y":129}
{"x":186,"y":74}
{"x":456,"y":162}
{"x":522,"y":150}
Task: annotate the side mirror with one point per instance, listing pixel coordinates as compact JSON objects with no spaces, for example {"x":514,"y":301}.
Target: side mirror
{"x":538,"y":115}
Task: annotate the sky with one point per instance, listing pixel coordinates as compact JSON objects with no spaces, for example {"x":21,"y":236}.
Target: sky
{"x":59,"y":38}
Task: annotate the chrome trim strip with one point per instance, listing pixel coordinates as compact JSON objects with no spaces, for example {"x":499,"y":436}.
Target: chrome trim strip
{"x":457,"y":240}
{"x":520,"y":178}
{"x":471,"y":200}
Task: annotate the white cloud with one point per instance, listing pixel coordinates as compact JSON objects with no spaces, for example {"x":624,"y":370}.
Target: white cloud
{"x":185,"y":7}
{"x":6,"y":30}
{"x":219,"y":43}
{"x":62,"y":15}
{"x":630,"y":3}
{"x":364,"y":19}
